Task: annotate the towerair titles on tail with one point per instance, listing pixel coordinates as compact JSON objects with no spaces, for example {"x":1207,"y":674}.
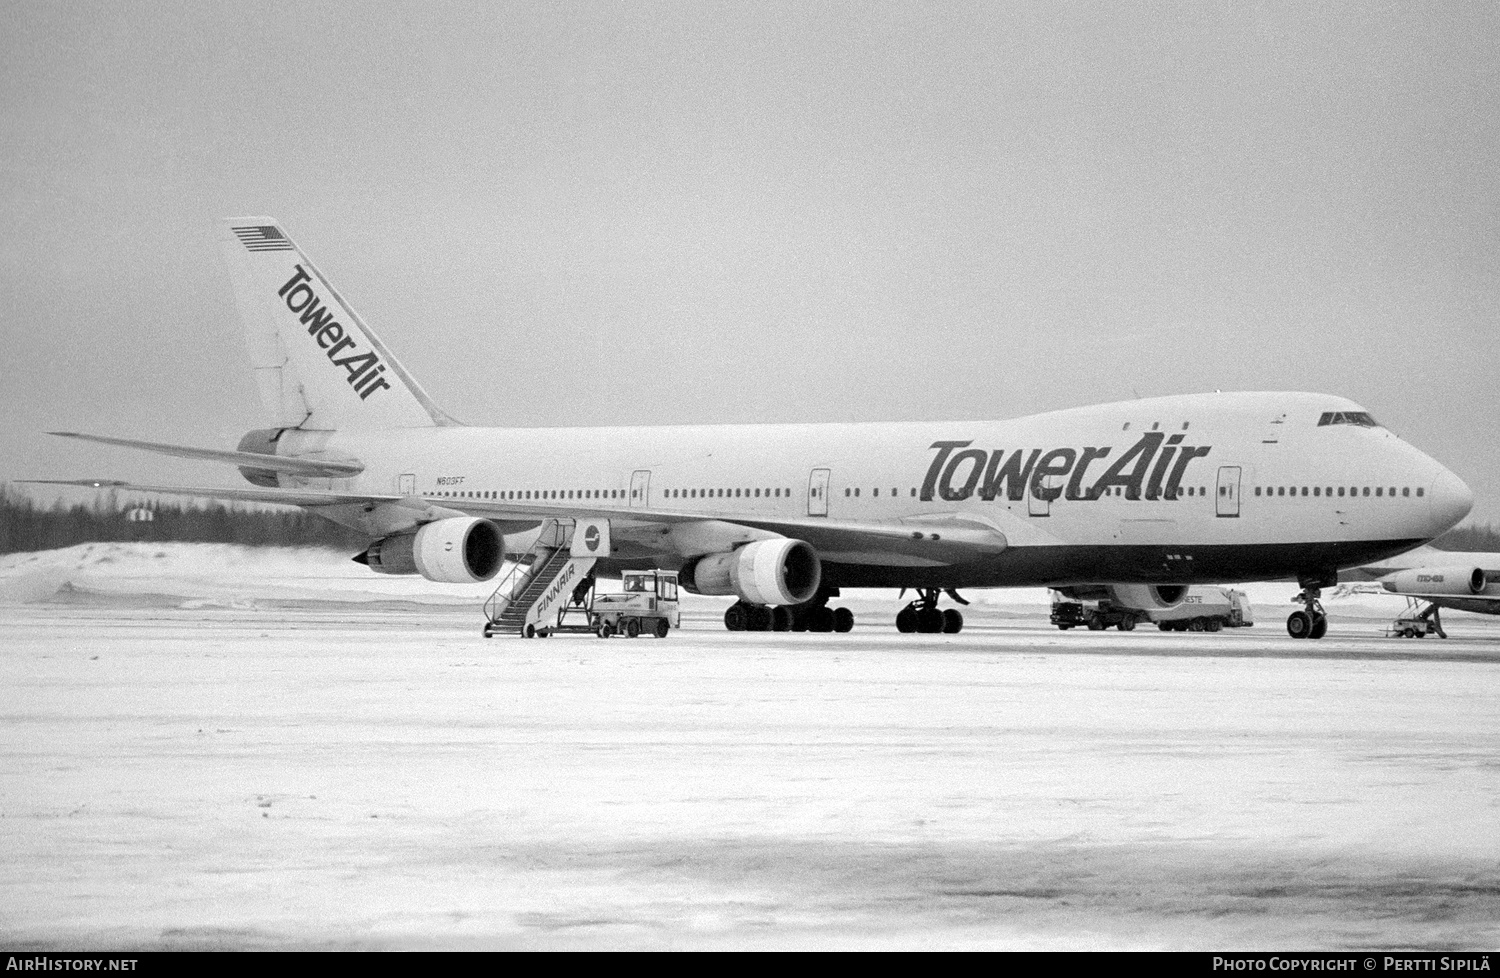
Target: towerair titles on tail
{"x":364,"y":368}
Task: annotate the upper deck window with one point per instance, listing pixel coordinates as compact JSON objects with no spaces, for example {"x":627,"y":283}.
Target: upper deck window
{"x":1361,"y":418}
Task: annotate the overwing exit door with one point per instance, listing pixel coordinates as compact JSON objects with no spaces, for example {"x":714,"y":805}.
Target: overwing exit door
{"x":640,"y":487}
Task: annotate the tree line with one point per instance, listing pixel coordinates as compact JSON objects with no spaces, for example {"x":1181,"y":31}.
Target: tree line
{"x":26,"y":525}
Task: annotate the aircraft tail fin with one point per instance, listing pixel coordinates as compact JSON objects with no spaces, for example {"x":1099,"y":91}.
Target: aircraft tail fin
{"x":317,"y":364}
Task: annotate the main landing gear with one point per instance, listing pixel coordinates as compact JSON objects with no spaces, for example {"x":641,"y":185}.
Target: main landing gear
{"x":812,"y":616}
{"x":1312,"y":622}
{"x":924,"y":616}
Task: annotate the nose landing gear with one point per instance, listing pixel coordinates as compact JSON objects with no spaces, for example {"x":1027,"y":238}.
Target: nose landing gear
{"x":924,"y":616}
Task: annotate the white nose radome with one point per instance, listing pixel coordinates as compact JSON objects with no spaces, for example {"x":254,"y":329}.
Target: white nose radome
{"x":1449,"y":499}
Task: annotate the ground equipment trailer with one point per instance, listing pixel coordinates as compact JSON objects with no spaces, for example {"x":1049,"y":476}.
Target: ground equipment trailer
{"x":648,"y":605}
{"x":1206,"y":609}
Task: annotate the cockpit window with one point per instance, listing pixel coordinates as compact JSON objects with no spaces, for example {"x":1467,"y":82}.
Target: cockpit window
{"x":1361,"y":418}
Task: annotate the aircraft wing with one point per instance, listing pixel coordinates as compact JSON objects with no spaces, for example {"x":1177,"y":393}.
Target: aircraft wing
{"x":1490,"y":600}
{"x":911,"y":542}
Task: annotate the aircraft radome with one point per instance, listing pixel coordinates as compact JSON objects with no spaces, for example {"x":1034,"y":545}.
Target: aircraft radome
{"x":1134,"y":500}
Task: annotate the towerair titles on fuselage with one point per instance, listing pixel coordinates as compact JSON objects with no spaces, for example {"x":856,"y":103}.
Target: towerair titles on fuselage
{"x":958,"y":471}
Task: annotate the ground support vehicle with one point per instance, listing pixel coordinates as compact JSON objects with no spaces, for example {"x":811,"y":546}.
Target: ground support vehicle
{"x":1416,"y":622}
{"x":1206,"y":609}
{"x":1094,"y":615}
{"x":648,"y":605}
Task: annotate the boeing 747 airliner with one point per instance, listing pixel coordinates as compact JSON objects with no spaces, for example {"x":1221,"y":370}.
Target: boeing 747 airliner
{"x":1134,"y":501}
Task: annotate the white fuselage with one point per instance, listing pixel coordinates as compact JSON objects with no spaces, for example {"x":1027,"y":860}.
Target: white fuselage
{"x":1217,"y":487}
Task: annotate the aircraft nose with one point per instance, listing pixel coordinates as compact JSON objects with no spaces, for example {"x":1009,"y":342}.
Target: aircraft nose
{"x":1449,"y":499}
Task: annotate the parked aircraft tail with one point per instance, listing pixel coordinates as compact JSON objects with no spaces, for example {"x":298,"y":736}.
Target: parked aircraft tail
{"x":317,"y":364}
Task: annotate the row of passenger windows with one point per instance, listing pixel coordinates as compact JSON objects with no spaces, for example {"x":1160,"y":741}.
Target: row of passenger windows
{"x":767,"y":493}
{"x":1329,"y":491}
{"x":729,"y":493}
{"x":539,"y":494}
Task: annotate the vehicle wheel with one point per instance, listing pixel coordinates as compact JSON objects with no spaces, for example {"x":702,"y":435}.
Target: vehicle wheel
{"x":1319,"y":627}
{"x":662,"y":627}
{"x":1164,"y":626}
{"x":906,"y":620}
{"x":843,"y":620}
{"x":820,"y":619}
{"x":953,"y":621}
{"x":530,"y":631}
{"x":489,"y":629}
{"x":929,"y":621}
{"x":1214,"y":624}
{"x":632,"y":628}
{"x":606,"y":630}
{"x":781,"y":618}
{"x":734,"y":617}
{"x":1127,"y":625}
{"x":1096,"y":624}
{"x":1298,"y":624}
{"x":1196,"y":625}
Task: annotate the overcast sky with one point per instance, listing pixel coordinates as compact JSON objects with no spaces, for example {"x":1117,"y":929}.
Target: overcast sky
{"x":577,"y":214}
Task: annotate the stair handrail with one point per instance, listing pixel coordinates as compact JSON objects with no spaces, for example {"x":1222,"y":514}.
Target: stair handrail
{"x":520,"y":572}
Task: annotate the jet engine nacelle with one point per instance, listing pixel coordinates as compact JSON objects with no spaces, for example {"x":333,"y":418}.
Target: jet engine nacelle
{"x":261,"y":441}
{"x":1138,"y":597}
{"x":769,"y":572}
{"x":461,"y":550}
{"x":1437,"y":580}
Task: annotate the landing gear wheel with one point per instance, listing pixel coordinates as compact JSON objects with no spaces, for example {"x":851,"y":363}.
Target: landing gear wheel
{"x":1319,"y":627}
{"x":1196,"y":625}
{"x":929,"y":621}
{"x":661,"y":628}
{"x":758,"y":619}
{"x":906,"y":620}
{"x":1298,"y":624}
{"x":632,"y":628}
{"x":820,"y":619}
{"x":735,"y":616}
{"x":781,"y":619}
{"x":800,"y":615}
{"x":1164,"y":626}
{"x":843,"y":620}
{"x":953,"y":621}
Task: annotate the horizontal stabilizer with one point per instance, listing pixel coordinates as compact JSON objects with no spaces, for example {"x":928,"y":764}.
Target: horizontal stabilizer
{"x":280,"y":497}
{"x":304,"y":466}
